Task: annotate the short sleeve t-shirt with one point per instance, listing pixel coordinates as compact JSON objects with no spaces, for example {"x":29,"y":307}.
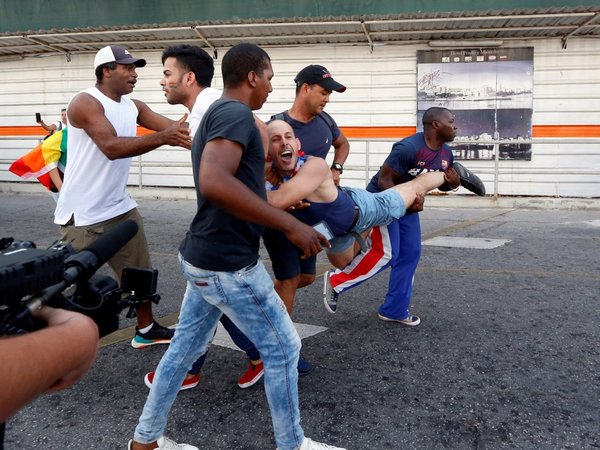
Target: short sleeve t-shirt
{"x":205,"y":98}
{"x":411,"y":157}
{"x":216,"y":240}
{"x":316,"y":137}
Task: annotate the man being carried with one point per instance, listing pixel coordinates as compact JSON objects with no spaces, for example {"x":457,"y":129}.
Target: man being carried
{"x":348,"y":211}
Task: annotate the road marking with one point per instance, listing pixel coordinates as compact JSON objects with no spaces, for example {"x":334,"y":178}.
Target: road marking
{"x":465,"y":242}
{"x":305,"y":330}
{"x":221,"y":338}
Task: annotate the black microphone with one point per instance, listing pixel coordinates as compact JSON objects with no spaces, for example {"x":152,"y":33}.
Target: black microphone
{"x":82,"y":265}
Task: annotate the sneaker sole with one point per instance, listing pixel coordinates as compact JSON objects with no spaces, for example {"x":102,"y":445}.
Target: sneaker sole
{"x":401,"y":322}
{"x":148,"y":343}
{"x":252,"y":382}
{"x":328,"y":307}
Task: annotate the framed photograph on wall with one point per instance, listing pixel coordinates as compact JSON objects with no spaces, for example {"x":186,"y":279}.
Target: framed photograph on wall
{"x":490,"y":90}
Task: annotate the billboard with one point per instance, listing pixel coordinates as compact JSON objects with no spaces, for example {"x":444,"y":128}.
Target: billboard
{"x":491,"y":93}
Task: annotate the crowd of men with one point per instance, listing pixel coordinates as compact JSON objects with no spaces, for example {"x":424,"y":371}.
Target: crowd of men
{"x":234,"y":156}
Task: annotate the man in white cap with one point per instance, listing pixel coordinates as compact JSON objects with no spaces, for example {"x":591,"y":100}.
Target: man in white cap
{"x":102,"y":139}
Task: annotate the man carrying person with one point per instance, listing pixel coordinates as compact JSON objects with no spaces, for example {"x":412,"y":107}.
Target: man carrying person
{"x":219,"y":257}
{"x":101,"y":141}
{"x":187,"y":75}
{"x":398,"y":244}
{"x":317,"y":132}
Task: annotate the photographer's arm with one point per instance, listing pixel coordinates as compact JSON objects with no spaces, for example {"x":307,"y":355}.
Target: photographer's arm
{"x":46,"y":360}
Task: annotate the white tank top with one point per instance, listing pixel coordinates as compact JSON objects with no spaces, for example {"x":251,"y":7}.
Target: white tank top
{"x":94,"y":187}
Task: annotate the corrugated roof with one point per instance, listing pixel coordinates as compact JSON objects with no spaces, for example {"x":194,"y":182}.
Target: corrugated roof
{"x":370,"y":30}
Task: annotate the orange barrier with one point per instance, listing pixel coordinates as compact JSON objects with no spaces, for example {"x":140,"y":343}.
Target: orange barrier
{"x":539,"y":131}
{"x":566,"y":131}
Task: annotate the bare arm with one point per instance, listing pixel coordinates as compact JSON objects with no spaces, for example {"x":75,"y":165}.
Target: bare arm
{"x":219,"y":163}
{"x":87,"y":113}
{"x":388,"y":177}
{"x":47,"y":360}
{"x":341,"y":148}
{"x":49,"y":128}
{"x":55,"y":177}
{"x":311,"y":177}
{"x":150,"y":119}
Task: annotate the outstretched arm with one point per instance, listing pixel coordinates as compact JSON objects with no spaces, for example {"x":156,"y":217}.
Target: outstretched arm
{"x":301,"y":186}
{"x":86,"y":112}
{"x":49,"y":128}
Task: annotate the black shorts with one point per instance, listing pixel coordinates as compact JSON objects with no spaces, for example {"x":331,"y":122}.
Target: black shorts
{"x":285,"y":256}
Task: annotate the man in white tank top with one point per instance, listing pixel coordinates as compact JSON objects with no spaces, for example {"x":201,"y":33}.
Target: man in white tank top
{"x":102,"y":139}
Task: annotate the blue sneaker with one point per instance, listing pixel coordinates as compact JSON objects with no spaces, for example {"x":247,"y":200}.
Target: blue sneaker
{"x":304,"y":367}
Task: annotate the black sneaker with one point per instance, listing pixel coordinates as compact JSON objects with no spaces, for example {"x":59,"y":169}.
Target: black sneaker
{"x":156,"y":335}
{"x":469,"y":180}
{"x":330,"y":297}
{"x":304,"y":367}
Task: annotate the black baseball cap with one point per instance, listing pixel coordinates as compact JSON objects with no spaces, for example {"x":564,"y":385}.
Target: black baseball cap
{"x":116,"y":53}
{"x":315,"y":74}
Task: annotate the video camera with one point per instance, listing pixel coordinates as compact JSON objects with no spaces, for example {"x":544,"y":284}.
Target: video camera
{"x":62,"y":278}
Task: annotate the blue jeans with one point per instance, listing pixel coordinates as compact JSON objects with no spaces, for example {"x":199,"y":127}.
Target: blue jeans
{"x":238,"y":338}
{"x":248,"y":298}
{"x":379,"y":208}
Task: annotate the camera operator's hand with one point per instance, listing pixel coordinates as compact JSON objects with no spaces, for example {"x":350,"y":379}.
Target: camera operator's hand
{"x":79,"y":353}
{"x":46,"y":360}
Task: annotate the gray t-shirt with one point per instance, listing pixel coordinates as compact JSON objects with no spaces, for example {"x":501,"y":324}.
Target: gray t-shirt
{"x":216,"y":239}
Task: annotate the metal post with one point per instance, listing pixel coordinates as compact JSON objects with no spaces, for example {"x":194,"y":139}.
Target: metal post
{"x":367,"y":162}
{"x":496,"y":165}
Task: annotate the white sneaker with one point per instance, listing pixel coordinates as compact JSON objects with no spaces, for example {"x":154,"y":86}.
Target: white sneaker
{"x":309,"y":444}
{"x":165,"y":443}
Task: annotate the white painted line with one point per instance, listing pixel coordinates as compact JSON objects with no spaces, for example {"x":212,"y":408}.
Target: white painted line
{"x":593,"y":223}
{"x":464,"y":242}
{"x":304,"y":330}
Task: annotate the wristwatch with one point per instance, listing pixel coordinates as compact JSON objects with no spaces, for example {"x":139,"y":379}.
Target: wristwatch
{"x":338,"y":167}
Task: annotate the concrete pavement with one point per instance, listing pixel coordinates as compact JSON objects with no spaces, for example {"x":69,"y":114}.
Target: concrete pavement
{"x":506,"y":356}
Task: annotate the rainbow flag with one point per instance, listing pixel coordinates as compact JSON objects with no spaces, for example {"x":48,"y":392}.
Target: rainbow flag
{"x":50,"y":153}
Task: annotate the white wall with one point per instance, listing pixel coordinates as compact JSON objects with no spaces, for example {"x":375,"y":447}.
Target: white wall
{"x":381,"y":92}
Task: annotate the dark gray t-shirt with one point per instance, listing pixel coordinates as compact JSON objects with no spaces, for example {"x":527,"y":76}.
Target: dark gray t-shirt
{"x":217,"y":240}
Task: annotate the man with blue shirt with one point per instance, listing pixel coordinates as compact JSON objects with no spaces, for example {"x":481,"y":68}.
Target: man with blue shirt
{"x":398,"y":244}
{"x":318,"y":132}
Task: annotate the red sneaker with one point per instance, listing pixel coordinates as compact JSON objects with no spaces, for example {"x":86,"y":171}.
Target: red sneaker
{"x":252,"y":375}
{"x":188,"y":383}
